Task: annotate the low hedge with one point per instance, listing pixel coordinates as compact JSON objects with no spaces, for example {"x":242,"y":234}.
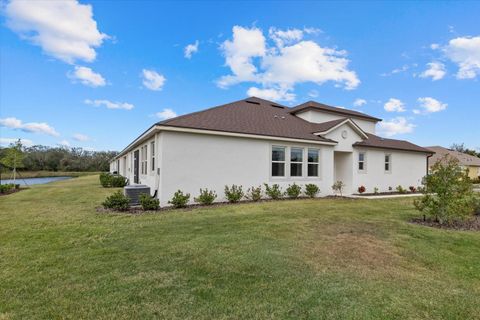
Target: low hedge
{"x":108,"y":180}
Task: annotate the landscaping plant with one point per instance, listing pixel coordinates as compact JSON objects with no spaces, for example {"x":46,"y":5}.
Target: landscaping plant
{"x":311,"y":190}
{"x":375,"y":190}
{"x":233,"y":193}
{"x":412,"y":189}
{"x":117,"y":201}
{"x":274,"y":192}
{"x":254,"y":193}
{"x":108,"y":180}
{"x":448,"y":194}
{"x":401,"y":189}
{"x":338,"y":187}
{"x":179,"y":199}
{"x":361,"y":189}
{"x":149,"y":203}
{"x":293,"y":191}
{"x":206,"y":197}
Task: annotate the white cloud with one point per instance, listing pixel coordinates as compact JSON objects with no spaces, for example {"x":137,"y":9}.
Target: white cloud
{"x":109,"y":104}
{"x":434,"y":46}
{"x":80,"y":137}
{"x":153,"y":80}
{"x":465,"y":52}
{"x":396,"y":70}
{"x":436,"y":70}
{"x":87,"y":77}
{"x":33,"y":127}
{"x":166,"y":114}
{"x":191,"y":49}
{"x":271,"y":94}
{"x":359,"y":102}
{"x":7,"y":141}
{"x":394,"y":105}
{"x":64,"y":143}
{"x":398,"y":125}
{"x":313,"y":93}
{"x":289,"y":61}
{"x":65,"y":30}
{"x":429,"y":105}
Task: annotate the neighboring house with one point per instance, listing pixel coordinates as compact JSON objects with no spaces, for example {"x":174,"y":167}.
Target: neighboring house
{"x":255,"y":141}
{"x":465,"y":160}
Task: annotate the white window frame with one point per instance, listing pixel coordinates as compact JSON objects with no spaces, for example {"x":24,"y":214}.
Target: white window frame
{"x":152,"y":155}
{"x":285,"y":150}
{"x":301,"y":163}
{"x":313,"y":163}
{"x":389,"y":155}
{"x":364,"y":161}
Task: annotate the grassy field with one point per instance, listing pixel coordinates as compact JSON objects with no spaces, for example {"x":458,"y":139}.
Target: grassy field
{"x":303,"y":259}
{"x":44,"y":174}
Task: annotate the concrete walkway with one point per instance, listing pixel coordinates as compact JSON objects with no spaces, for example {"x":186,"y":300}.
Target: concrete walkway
{"x":386,"y":196}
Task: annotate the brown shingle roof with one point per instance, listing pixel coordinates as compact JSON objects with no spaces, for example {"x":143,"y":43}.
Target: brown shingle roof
{"x":374,"y":141}
{"x":463,"y":158}
{"x":325,"y":126}
{"x":324,"y":107}
{"x":248,"y":116}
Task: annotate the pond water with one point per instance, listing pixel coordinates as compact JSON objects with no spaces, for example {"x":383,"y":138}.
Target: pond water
{"x":31,"y":181}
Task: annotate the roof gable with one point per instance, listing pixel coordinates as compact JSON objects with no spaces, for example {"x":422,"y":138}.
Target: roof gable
{"x":329,"y":126}
{"x":329,"y":109}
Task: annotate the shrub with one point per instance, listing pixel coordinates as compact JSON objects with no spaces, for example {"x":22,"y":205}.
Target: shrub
{"x":412,"y":189}
{"x":338,"y":186}
{"x":400,"y":189}
{"x":293,"y":191}
{"x":311,"y":190}
{"x":476,"y":205}
{"x":5,"y":188}
{"x":233,"y":193}
{"x":254,"y":194}
{"x":108,"y":180}
{"x":179,"y":199}
{"x":105,"y":179}
{"x":117,"y":201}
{"x":375,"y":190}
{"x":206,"y":197}
{"x":274,"y":192}
{"x":361,"y":189}
{"x":448,"y":194}
{"x":149,"y":203}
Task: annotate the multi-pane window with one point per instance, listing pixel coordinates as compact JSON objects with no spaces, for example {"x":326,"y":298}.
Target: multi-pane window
{"x":278,"y":161}
{"x":388,"y":164}
{"x":361,"y":161}
{"x":152,"y":151}
{"x":313,"y":162}
{"x":296,"y":161}
{"x":143,"y":159}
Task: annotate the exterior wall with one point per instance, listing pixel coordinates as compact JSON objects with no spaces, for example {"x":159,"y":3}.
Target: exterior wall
{"x":344,"y":144}
{"x":194,"y":161}
{"x":319,"y":117}
{"x":407,"y":169}
{"x":473,"y":172}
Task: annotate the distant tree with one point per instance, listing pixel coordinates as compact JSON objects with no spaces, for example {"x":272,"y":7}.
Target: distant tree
{"x":460,"y":147}
{"x":13,"y":157}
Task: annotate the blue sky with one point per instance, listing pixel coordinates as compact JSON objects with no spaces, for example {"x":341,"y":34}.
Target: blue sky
{"x":96,"y":74}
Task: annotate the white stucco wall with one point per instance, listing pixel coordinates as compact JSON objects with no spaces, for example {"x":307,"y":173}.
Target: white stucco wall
{"x":407,"y":169}
{"x":319,"y":117}
{"x":194,"y":161}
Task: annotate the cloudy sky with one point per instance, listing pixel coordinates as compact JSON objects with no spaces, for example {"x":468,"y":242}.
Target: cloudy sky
{"x":96,"y":74}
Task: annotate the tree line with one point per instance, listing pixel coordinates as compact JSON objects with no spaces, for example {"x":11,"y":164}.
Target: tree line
{"x":38,"y":157}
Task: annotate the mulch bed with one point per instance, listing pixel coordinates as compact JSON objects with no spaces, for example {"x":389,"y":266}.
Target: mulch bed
{"x":386,"y":193}
{"x":468,"y":225}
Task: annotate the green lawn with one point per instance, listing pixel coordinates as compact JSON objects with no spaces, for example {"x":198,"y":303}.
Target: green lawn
{"x":307,"y":259}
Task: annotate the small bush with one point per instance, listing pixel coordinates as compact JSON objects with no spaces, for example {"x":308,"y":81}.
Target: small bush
{"x":233,"y":193}
{"x":412,"y":189}
{"x":105,"y":179}
{"x":390,"y":189}
{"x":400,"y":189}
{"x":361,"y":189}
{"x":117,"y":201}
{"x":108,"y":180}
{"x":311,"y":190}
{"x":375,"y":190}
{"x":149,"y":203}
{"x":179,"y":199}
{"x":476,"y":205}
{"x":5,"y":188}
{"x":338,"y":187}
{"x":293,"y":191}
{"x":206,"y":197}
{"x":274,"y":192}
{"x":254,"y":193}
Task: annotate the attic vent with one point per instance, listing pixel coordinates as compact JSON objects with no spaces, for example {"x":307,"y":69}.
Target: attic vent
{"x":277,"y":106}
{"x":252,"y":102}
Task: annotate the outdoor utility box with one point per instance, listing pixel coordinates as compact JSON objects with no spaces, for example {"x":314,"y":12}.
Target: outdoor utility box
{"x":134,"y":192}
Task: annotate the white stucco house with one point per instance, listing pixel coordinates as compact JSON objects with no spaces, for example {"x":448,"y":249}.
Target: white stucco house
{"x":255,"y":141}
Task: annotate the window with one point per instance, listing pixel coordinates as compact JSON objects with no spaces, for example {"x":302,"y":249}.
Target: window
{"x":388,"y":165}
{"x":143,"y":159}
{"x":296,"y":161}
{"x":313,"y":160}
{"x":361,"y":161}
{"x":152,"y":151}
{"x":278,"y":161}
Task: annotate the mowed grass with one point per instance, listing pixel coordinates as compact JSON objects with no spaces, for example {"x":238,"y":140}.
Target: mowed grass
{"x":303,"y":259}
